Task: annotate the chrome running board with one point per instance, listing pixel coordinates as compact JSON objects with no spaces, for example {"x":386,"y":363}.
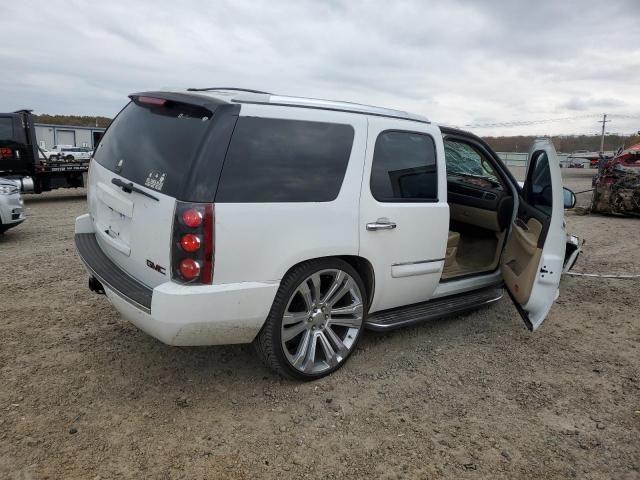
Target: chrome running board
{"x":438,"y":308}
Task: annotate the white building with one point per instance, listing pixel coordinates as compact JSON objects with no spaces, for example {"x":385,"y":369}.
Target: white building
{"x":49,"y":135}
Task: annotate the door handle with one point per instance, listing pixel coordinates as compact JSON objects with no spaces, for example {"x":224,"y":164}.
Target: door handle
{"x":381,"y":224}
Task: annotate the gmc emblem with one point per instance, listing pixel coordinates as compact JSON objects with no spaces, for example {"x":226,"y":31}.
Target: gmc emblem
{"x":156,"y":267}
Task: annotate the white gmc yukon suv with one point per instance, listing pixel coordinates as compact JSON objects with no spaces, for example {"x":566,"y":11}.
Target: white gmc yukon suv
{"x":221,"y":216}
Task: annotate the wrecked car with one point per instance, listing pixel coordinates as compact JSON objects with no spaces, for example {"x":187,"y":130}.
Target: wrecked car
{"x":617,"y":184}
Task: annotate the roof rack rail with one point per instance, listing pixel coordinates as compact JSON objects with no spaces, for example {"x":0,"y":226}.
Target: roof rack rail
{"x":264,"y":98}
{"x":235,"y":89}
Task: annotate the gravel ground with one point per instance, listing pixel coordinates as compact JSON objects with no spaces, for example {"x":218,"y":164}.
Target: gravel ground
{"x":84,"y":394}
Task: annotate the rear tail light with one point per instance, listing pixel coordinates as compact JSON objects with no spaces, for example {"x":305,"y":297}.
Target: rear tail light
{"x":192,"y":246}
{"x":192,"y":217}
{"x":190,"y":242}
{"x":189,"y":269}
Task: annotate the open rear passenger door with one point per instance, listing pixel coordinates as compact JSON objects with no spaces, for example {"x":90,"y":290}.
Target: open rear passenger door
{"x":532,"y":260}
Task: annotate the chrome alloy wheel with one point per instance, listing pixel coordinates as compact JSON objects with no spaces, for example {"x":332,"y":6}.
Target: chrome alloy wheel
{"x":322,"y":321}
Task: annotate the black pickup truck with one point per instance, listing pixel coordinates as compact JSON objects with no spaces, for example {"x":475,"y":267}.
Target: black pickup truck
{"x":22,"y":159}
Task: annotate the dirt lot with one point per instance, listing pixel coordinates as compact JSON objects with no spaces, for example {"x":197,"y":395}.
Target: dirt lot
{"x":84,"y":394}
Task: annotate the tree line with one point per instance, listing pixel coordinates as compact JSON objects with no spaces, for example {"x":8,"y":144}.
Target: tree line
{"x":563,"y":143}
{"x":76,"y":120}
{"x":520,"y":143}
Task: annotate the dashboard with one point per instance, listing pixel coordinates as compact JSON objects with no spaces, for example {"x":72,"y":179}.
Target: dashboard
{"x":479,"y":201}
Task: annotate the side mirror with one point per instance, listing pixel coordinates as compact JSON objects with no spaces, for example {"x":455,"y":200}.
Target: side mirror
{"x":569,"y":198}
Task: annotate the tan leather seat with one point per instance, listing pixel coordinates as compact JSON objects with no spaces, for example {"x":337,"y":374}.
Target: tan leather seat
{"x":452,"y":248}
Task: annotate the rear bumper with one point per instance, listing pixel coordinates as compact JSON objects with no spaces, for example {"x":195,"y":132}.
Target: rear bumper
{"x":177,"y":314}
{"x":110,"y":275}
{"x":212,"y":315}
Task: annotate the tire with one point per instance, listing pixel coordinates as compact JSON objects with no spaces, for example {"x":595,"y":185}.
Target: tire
{"x":324,"y":301}
{"x":69,"y":158}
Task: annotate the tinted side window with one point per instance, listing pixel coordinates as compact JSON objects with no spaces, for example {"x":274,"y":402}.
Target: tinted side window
{"x":539,"y":191}
{"x":276,"y":160}
{"x":404,"y":168}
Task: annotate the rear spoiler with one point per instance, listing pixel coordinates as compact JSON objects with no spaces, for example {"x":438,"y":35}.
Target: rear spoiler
{"x":206,"y":101}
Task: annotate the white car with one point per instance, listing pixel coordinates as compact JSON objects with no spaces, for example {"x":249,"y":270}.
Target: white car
{"x":69,"y":152}
{"x":221,"y":216}
{"x":11,"y":205}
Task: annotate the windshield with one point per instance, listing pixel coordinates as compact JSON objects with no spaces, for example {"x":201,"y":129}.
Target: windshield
{"x":462,"y":159}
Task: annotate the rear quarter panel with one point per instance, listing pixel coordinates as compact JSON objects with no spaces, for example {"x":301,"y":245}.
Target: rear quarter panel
{"x":261,"y":241}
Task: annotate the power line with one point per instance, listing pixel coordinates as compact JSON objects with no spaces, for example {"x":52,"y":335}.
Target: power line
{"x":519,"y":123}
{"x":522,"y":123}
{"x":622,"y":115}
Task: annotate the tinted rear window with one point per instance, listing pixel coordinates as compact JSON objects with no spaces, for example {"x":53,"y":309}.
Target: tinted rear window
{"x":155,"y":146}
{"x":276,"y":160}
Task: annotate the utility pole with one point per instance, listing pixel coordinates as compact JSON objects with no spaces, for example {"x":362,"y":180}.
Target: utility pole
{"x":604,"y":123}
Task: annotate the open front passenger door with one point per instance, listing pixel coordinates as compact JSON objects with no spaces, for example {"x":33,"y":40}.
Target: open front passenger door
{"x":532,"y":260}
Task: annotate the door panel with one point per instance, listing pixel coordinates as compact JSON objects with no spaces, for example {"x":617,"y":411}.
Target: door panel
{"x":532,"y":259}
{"x":402,"y":232}
{"x":521,"y":259}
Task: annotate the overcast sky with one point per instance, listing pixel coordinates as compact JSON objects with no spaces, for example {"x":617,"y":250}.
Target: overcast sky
{"x":457,"y":62}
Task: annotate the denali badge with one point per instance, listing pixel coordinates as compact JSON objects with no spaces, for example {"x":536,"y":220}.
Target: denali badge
{"x":156,"y":267}
{"x":155,"y":180}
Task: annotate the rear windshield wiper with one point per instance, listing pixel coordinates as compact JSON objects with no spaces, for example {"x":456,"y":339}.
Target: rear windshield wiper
{"x":130,"y":187}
